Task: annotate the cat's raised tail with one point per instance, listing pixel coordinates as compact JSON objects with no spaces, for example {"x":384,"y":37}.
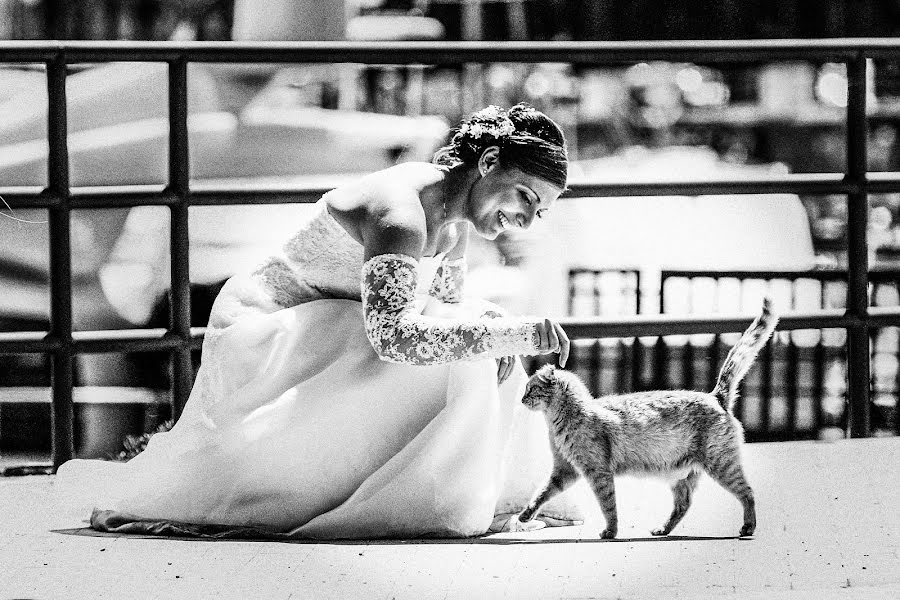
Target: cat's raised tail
{"x":742,"y":355}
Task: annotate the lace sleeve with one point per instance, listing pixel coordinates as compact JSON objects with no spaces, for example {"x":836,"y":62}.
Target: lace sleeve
{"x":400,"y":334}
{"x":448,"y":282}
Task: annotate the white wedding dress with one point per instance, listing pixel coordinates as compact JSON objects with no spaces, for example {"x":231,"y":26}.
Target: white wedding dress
{"x":296,"y":428}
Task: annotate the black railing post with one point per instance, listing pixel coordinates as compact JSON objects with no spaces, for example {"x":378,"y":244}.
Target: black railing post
{"x":637,"y":349}
{"x":857,"y":250}
{"x":180,"y":327}
{"x":62,"y":413}
{"x":661,"y":350}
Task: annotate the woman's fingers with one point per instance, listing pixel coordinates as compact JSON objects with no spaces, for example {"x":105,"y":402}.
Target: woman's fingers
{"x":505,"y":367}
{"x":564,"y":344}
{"x":541,"y":337}
{"x":546,"y":336}
{"x":552,"y":337}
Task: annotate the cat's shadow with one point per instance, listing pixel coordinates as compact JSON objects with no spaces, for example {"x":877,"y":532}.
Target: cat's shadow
{"x":489,"y":539}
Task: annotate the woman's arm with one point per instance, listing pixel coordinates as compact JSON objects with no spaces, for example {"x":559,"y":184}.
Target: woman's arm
{"x":400,"y":334}
{"x":393,"y":229}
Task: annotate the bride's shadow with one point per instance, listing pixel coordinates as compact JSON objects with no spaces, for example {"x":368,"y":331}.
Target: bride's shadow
{"x":496,"y":539}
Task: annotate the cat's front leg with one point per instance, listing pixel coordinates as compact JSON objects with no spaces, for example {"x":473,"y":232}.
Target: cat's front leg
{"x":561,"y":479}
{"x":605,"y":491}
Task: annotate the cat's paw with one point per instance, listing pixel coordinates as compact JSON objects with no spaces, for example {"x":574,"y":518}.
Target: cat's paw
{"x":608,"y":534}
{"x":526,"y":515}
{"x":659,"y":532}
{"x":748,"y":529}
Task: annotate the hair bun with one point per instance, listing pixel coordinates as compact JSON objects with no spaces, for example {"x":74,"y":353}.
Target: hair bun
{"x":530,"y":121}
{"x":491,"y":121}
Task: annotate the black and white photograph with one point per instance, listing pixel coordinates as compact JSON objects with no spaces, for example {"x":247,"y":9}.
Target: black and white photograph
{"x":449,"y":299}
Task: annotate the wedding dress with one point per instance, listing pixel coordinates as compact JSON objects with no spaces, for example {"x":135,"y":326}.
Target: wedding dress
{"x":296,"y":428}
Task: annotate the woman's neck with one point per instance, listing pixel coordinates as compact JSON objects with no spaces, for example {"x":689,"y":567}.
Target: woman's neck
{"x":455,"y":190}
{"x":435,"y":203}
{"x":445,"y":203}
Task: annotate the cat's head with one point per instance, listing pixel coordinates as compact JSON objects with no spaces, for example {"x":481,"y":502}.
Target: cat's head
{"x":543,"y":388}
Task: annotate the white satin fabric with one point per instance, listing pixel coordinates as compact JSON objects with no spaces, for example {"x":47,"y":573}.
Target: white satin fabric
{"x":295,"y":425}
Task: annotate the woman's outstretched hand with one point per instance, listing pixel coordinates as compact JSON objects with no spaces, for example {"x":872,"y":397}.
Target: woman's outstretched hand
{"x":552,"y":338}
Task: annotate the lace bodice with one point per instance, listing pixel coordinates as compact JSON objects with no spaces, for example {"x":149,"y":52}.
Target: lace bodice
{"x":322,"y":260}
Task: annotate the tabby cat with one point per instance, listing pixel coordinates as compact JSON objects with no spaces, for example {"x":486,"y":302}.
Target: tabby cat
{"x":669,"y":434}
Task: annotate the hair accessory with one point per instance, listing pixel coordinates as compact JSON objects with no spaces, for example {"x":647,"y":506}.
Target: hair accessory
{"x":492,"y":121}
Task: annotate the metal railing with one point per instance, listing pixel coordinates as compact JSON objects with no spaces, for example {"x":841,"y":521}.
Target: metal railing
{"x":792,"y":394}
{"x":61,"y":343}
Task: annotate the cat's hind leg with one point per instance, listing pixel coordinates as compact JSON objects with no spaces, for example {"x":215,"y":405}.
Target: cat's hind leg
{"x":561,"y":478}
{"x":682,"y":492}
{"x":727,"y":471}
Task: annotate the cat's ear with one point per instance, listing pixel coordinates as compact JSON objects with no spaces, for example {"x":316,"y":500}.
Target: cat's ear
{"x":547,"y":373}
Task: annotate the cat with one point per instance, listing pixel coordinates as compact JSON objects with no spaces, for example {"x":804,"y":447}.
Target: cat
{"x":670,"y":434}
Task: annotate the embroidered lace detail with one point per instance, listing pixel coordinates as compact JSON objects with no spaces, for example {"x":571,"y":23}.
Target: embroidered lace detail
{"x":447,"y":285}
{"x":399,"y":334}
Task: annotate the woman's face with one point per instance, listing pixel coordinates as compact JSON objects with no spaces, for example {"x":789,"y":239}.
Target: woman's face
{"x":505,"y":198}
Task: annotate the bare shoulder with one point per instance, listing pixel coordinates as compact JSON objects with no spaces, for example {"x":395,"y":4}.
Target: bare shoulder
{"x":383,"y":210}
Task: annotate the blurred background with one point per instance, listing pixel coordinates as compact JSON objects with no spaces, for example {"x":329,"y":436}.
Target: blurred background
{"x":274,"y":125}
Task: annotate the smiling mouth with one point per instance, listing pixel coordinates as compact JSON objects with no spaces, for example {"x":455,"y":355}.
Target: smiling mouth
{"x":504,"y":222}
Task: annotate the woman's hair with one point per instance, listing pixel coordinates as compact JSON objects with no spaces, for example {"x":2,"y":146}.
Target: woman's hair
{"x":528,"y":140}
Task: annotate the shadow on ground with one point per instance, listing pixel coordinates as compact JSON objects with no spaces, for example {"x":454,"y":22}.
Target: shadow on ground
{"x":492,"y":539}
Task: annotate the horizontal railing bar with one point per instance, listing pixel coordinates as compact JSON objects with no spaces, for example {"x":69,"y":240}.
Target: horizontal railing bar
{"x":210,"y":196}
{"x":594,"y":52}
{"x":122,"y":196}
{"x":204,"y":194}
{"x":881,"y":182}
{"x":27,"y":197}
{"x":651,"y":325}
{"x":879,"y":273}
{"x":92,"y":342}
{"x":126,"y":340}
{"x":817,"y":274}
{"x":808,"y":183}
{"x":24,"y":342}
{"x":151,"y":340}
{"x":883,"y":316}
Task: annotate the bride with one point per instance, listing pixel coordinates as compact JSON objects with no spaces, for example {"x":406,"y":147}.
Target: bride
{"x":348,"y":388}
